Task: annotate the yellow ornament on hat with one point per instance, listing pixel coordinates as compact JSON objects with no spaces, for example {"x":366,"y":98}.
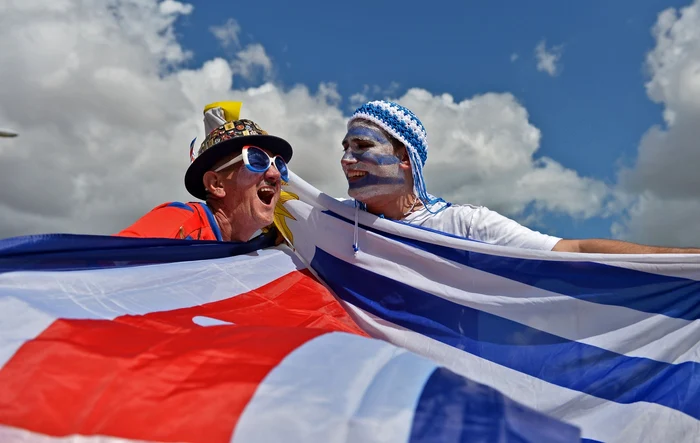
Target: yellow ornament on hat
{"x":215,"y":115}
{"x":231,"y":110}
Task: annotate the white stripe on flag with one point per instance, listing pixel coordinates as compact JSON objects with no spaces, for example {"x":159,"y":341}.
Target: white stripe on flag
{"x":616,"y":328}
{"x":14,"y":435}
{"x":19,"y":322}
{"x":676,"y":268}
{"x":598,"y":419}
{"x":356,"y":389}
{"x":111,"y":292}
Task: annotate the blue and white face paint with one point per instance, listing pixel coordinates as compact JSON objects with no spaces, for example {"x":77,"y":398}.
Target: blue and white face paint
{"x":370,"y":164}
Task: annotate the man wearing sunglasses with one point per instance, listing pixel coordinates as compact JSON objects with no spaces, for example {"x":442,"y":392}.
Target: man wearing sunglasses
{"x":237,"y":173}
{"x":385,"y":149}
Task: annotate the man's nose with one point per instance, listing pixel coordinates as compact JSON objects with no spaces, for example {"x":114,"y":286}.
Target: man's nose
{"x":272,"y":173}
{"x":348,"y":158}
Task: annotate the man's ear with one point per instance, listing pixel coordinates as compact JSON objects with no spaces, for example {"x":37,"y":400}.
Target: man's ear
{"x":404,"y":159}
{"x":213,"y":185}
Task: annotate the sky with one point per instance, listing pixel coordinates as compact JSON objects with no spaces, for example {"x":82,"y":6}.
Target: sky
{"x":578,"y":119}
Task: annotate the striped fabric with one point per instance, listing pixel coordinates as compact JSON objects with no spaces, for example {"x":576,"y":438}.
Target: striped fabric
{"x":609,"y":343}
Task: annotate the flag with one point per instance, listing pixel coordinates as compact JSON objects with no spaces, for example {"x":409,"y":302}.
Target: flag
{"x":608,"y":343}
{"x":108,"y":339}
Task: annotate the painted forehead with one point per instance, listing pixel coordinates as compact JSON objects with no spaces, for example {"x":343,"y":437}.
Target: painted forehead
{"x":365,"y":131}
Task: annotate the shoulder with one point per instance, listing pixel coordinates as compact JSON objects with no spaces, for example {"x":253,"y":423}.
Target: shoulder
{"x":454,"y":219}
{"x":491,"y":227}
{"x":455,"y":213}
{"x":485,"y":225}
{"x":482,"y":214}
{"x":164,"y":221}
{"x":174,"y":211}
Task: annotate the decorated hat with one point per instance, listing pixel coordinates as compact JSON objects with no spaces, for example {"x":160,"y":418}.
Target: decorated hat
{"x":403,"y":125}
{"x":227,"y":134}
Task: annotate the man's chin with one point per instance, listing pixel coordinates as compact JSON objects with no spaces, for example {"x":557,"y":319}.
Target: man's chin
{"x":265,"y":219}
{"x":265,"y":215}
{"x":355,"y":194}
{"x":366,"y":194}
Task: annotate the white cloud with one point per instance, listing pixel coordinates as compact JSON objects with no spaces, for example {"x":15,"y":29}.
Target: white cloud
{"x":250,"y":60}
{"x":358,"y":99}
{"x":665,"y":175}
{"x":171,"y":7}
{"x":513,"y":57}
{"x":247,"y":62}
{"x":373,"y":92}
{"x":547,"y":59}
{"x":482,"y":149}
{"x":227,"y":34}
{"x":106,"y":111}
{"x":662,"y":222}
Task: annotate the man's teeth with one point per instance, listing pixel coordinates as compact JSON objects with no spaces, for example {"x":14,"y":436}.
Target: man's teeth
{"x":352,"y":174}
{"x":266,"y":194}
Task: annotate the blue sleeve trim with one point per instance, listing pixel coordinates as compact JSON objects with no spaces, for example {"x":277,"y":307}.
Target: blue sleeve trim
{"x":180,"y":205}
{"x":212,"y":221}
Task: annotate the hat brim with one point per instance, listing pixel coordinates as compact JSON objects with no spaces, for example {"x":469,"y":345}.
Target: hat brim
{"x":205,"y":161}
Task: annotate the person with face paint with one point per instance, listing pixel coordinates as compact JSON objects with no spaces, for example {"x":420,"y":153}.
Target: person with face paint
{"x":237,"y":173}
{"x":384,"y":151}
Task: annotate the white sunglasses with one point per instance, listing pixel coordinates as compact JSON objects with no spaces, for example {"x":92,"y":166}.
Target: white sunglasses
{"x":257,"y":160}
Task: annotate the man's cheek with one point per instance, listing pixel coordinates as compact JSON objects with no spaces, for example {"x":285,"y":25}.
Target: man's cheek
{"x":378,"y":158}
{"x":245,"y":177}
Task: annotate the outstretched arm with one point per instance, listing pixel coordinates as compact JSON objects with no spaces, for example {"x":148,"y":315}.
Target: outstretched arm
{"x":603,"y":246}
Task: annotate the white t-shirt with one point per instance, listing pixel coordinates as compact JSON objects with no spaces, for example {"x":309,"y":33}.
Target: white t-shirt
{"x":484,"y":225}
{"x":478,"y":223}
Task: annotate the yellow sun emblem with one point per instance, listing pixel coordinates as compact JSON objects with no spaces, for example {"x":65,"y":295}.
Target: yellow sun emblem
{"x":281,"y":215}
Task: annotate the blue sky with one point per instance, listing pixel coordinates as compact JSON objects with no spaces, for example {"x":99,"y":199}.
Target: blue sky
{"x":592,"y":113}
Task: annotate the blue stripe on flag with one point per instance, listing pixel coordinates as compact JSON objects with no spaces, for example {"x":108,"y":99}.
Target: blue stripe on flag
{"x":589,"y":281}
{"x":452,"y":408}
{"x":560,"y":361}
{"x":72,"y":252}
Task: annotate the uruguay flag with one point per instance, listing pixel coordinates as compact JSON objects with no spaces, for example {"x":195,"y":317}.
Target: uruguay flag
{"x":609,"y":343}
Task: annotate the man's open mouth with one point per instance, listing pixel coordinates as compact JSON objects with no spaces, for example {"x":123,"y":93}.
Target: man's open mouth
{"x":266,"y":194}
{"x":355,"y":175}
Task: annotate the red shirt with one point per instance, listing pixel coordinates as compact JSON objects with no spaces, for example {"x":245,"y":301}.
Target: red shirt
{"x":191,"y":221}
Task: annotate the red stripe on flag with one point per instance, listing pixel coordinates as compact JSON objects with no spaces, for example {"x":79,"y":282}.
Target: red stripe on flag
{"x":160,"y":376}
{"x":297,"y":299}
